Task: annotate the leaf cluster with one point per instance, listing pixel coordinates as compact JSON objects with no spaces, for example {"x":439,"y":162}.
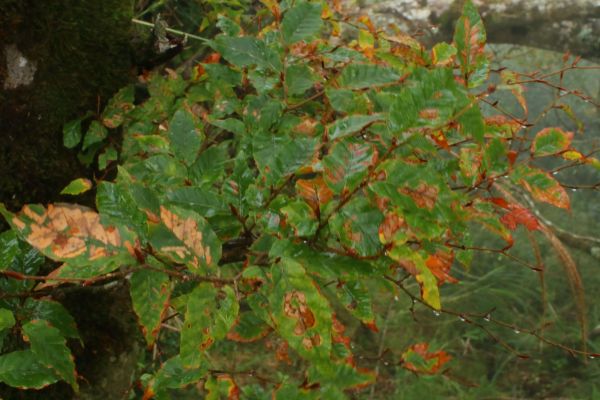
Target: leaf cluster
{"x":258,"y":203}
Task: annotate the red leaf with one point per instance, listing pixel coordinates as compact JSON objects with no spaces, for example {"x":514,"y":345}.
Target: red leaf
{"x":431,"y":362}
{"x":439,"y":264}
{"x":512,"y":157}
{"x":499,"y":201}
{"x":518,"y":215}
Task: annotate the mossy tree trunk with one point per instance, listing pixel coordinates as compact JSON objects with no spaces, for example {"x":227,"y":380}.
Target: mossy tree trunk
{"x":58,"y":59}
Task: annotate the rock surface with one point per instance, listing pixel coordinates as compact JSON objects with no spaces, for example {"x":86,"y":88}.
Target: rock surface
{"x":558,"y":25}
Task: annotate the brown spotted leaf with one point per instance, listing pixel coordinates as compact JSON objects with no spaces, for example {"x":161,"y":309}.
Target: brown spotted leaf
{"x":300,"y":313}
{"x":185,"y":237}
{"x":150,"y":291}
{"x":75,"y":235}
{"x":347,"y":165}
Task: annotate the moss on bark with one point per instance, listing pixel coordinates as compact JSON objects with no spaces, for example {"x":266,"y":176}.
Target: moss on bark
{"x":82,"y":55}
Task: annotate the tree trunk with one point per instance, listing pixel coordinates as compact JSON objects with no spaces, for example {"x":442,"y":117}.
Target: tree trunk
{"x":58,"y":59}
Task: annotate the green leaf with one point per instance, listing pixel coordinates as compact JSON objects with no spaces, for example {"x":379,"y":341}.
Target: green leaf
{"x":442,"y":53}
{"x":495,"y":157}
{"x":541,"y":185}
{"x":77,"y":186}
{"x":248,"y":328}
{"x":173,"y":375}
{"x":53,"y":312}
{"x":185,"y":237}
{"x":72,"y":133}
{"x":355,"y":296}
{"x":118,"y":106}
{"x":206,"y":321}
{"x":226,"y":313}
{"x":7,"y":320}
{"x":551,"y":141}
{"x":470,"y":163}
{"x":210,"y":165}
{"x":96,"y":133}
{"x":263,"y":80}
{"x":469,"y":39}
{"x":195,"y":334}
{"x":246,"y":51}
{"x":228,"y":26}
{"x":300,"y":313}
{"x":428,"y":98}
{"x":107,"y":156}
{"x":293,"y":391}
{"x":230,"y":125}
{"x":51,"y":350}
{"x":298,"y":79}
{"x":117,"y":205}
{"x":25,"y":370}
{"x":301,"y":22}
{"x":351,"y":124}
{"x":301,"y":217}
{"x":150,"y":291}
{"x":202,"y":200}
{"x":347,"y":165}
{"x":9,"y":248}
{"x":472,"y":124}
{"x":185,"y":138}
{"x":347,"y":101}
{"x":75,"y":235}
{"x":357,"y":226}
{"x":280,"y":156}
{"x":221,"y":387}
{"x":360,"y":76}
{"x":326,"y":265}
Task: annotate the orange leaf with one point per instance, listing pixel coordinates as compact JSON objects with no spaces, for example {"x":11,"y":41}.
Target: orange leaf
{"x":212,"y":58}
{"x":439,"y":264}
{"x":518,"y":215}
{"x":314,"y":191}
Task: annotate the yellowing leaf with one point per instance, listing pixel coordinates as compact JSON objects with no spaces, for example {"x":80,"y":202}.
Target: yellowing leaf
{"x":77,"y":186}
{"x":572,"y":155}
{"x":542,"y":186}
{"x":443,"y":54}
{"x":509,"y":79}
{"x":550,"y":141}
